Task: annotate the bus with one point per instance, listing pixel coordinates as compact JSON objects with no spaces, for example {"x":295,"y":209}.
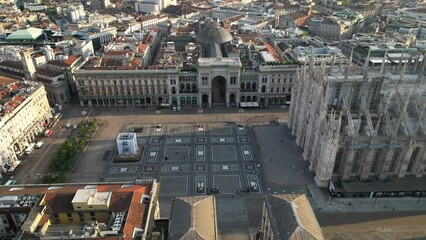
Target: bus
{"x":10,"y":183}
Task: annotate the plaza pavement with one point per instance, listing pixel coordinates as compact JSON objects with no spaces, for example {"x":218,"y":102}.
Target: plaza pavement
{"x":282,"y":167}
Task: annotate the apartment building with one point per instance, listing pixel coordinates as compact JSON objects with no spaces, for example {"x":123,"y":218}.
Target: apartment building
{"x":24,"y":112}
{"x":340,"y":25}
{"x":70,"y":211}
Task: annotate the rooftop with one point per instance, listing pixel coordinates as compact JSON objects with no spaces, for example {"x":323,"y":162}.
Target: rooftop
{"x":122,"y":198}
{"x":193,"y":218}
{"x":14,"y":93}
{"x":213,"y":33}
{"x":292,"y":217}
{"x":25,"y":34}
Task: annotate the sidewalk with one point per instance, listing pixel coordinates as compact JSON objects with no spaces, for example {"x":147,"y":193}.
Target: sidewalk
{"x":322,"y":202}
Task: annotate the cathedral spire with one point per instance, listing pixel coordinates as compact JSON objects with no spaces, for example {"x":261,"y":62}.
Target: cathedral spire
{"x":366,"y":62}
{"x":312,"y":60}
{"x":333,"y":61}
{"x":422,"y":68}
{"x":348,"y":69}
{"x":401,"y":59}
{"x":382,"y":68}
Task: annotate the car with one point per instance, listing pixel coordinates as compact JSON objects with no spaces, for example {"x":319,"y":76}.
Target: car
{"x":74,"y":126}
{"x":39,"y":144}
{"x":178,"y":109}
{"x":174,"y":109}
{"x":68,"y":125}
{"x":283,"y":106}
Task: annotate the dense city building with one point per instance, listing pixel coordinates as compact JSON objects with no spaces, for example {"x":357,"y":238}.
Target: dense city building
{"x":338,"y":26}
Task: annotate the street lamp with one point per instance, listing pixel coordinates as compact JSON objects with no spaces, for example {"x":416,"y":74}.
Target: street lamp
{"x":420,"y":195}
{"x":375,"y":197}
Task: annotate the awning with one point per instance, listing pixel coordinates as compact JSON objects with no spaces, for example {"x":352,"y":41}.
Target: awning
{"x":249,"y":104}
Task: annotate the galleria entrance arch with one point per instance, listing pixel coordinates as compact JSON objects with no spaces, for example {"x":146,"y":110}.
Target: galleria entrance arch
{"x":219,"y":90}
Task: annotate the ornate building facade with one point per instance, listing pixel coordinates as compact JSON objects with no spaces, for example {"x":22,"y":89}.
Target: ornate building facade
{"x":361,"y":122}
{"x":218,"y":82}
{"x":212,"y":72}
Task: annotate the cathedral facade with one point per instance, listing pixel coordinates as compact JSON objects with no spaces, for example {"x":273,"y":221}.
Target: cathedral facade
{"x":361,"y":122}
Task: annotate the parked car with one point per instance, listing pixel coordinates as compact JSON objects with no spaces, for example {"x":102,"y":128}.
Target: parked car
{"x":74,"y":126}
{"x":39,"y":144}
{"x":68,"y":125}
{"x":283,"y":106}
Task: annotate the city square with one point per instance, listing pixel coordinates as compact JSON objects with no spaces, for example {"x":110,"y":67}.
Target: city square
{"x":192,"y":158}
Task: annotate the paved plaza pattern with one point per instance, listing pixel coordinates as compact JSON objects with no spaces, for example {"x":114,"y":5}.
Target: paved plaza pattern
{"x":193,"y":158}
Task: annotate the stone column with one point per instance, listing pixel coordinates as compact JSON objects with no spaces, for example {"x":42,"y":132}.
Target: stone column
{"x":421,"y":163}
{"x":81,"y":103}
{"x":403,"y":163}
{"x":366,"y":166}
{"x":227,"y":98}
{"x":384,"y":166}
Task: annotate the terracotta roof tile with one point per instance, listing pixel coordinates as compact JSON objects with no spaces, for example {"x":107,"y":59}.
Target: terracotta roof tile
{"x":136,"y":215}
{"x":71,"y":59}
{"x":142,"y":47}
{"x":12,"y":64}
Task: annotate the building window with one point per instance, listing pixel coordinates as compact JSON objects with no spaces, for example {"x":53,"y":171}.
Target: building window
{"x":4,"y":219}
{"x":204,"y":81}
{"x":233,"y":80}
{"x":272,"y":89}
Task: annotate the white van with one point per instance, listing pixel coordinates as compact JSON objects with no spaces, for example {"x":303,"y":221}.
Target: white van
{"x":30,"y":148}
{"x":39,"y":144}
